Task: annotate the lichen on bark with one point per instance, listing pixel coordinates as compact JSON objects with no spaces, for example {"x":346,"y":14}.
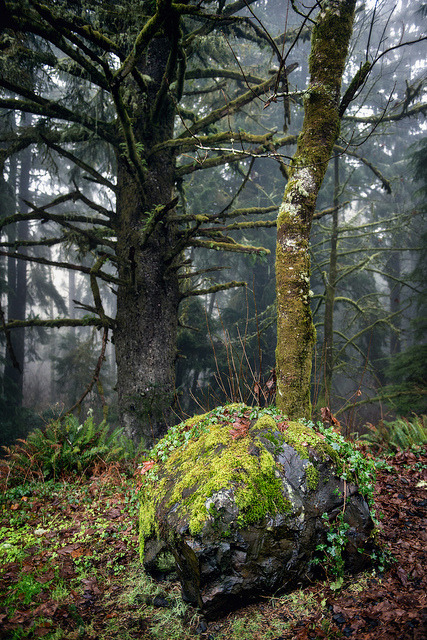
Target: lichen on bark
{"x":295,"y":331}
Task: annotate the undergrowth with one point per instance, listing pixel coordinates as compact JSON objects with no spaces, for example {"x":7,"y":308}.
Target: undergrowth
{"x":66,"y":447}
{"x":402,"y":433}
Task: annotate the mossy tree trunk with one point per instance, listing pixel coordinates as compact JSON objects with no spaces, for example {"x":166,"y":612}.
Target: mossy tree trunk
{"x":295,"y":330}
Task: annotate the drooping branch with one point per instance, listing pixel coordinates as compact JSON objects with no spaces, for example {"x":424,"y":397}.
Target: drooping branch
{"x":43,"y":242}
{"x":94,"y":238}
{"x":61,"y":265}
{"x":83,"y":165}
{"x":384,"y":181}
{"x":37,"y":105}
{"x":56,"y":323}
{"x":53,"y":33}
{"x":42,"y":132}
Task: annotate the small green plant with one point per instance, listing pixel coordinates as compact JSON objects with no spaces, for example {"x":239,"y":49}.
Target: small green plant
{"x":332,"y":550}
{"x":13,"y":543}
{"x":355,"y":467}
{"x":23,"y":593}
{"x":399,"y":434}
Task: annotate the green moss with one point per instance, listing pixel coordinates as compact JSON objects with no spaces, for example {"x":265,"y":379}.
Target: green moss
{"x":212,"y":460}
{"x":303,"y":438}
{"x":312,"y":477}
{"x":147,"y":518}
{"x":267,"y":422}
{"x":215,"y":461}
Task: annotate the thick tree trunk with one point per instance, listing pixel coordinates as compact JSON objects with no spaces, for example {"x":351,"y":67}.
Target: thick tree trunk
{"x":295,"y":330}
{"x":147,"y":305}
{"x":147,"y":319}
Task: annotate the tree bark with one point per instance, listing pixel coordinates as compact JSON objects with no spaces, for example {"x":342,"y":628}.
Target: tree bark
{"x":147,"y":306}
{"x":328,"y":326}
{"x":295,"y":330}
{"x":17,"y":290}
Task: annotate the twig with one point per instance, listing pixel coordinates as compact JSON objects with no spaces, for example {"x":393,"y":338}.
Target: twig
{"x":96,"y":373}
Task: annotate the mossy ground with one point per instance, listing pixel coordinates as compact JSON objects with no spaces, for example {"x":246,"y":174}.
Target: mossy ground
{"x":85,"y":561}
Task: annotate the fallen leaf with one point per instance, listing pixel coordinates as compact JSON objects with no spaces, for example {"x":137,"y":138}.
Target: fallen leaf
{"x":146,"y":466}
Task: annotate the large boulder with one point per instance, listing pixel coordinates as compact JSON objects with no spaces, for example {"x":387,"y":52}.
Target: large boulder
{"x":239,"y":498}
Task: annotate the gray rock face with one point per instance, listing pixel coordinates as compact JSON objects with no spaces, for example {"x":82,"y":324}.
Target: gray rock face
{"x":231,"y":556}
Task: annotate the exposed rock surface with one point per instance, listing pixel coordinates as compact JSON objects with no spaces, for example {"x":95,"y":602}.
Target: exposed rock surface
{"x":240,"y":508}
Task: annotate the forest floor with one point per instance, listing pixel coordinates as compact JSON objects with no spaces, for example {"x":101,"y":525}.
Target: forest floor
{"x":69,"y":569}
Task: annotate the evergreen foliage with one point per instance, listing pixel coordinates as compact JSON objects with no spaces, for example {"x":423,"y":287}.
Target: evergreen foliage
{"x":399,"y":434}
{"x":66,"y":447}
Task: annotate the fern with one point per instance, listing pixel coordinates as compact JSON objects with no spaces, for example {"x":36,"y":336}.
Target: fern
{"x":67,"y":447}
{"x":399,"y":434}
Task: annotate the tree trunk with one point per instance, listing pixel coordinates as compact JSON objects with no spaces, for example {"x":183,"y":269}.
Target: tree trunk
{"x":328,"y":326}
{"x":395,"y":291}
{"x":17,"y":290}
{"x":147,"y":306}
{"x":295,"y":329}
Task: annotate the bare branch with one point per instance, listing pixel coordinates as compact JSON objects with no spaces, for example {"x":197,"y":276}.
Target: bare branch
{"x":226,"y":246}
{"x":418,"y":109}
{"x":96,"y":373}
{"x":384,"y":181}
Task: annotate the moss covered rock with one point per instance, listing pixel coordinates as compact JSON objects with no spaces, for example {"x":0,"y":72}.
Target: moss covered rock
{"x":237,"y":496}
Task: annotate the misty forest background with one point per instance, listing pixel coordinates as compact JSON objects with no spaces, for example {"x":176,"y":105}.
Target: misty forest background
{"x":368,"y":241}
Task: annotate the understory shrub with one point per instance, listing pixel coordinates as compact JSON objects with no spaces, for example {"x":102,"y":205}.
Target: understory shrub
{"x":399,"y":434}
{"x":66,"y":447}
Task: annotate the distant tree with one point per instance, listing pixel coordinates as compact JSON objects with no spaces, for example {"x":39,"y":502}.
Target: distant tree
{"x":407,"y":370}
